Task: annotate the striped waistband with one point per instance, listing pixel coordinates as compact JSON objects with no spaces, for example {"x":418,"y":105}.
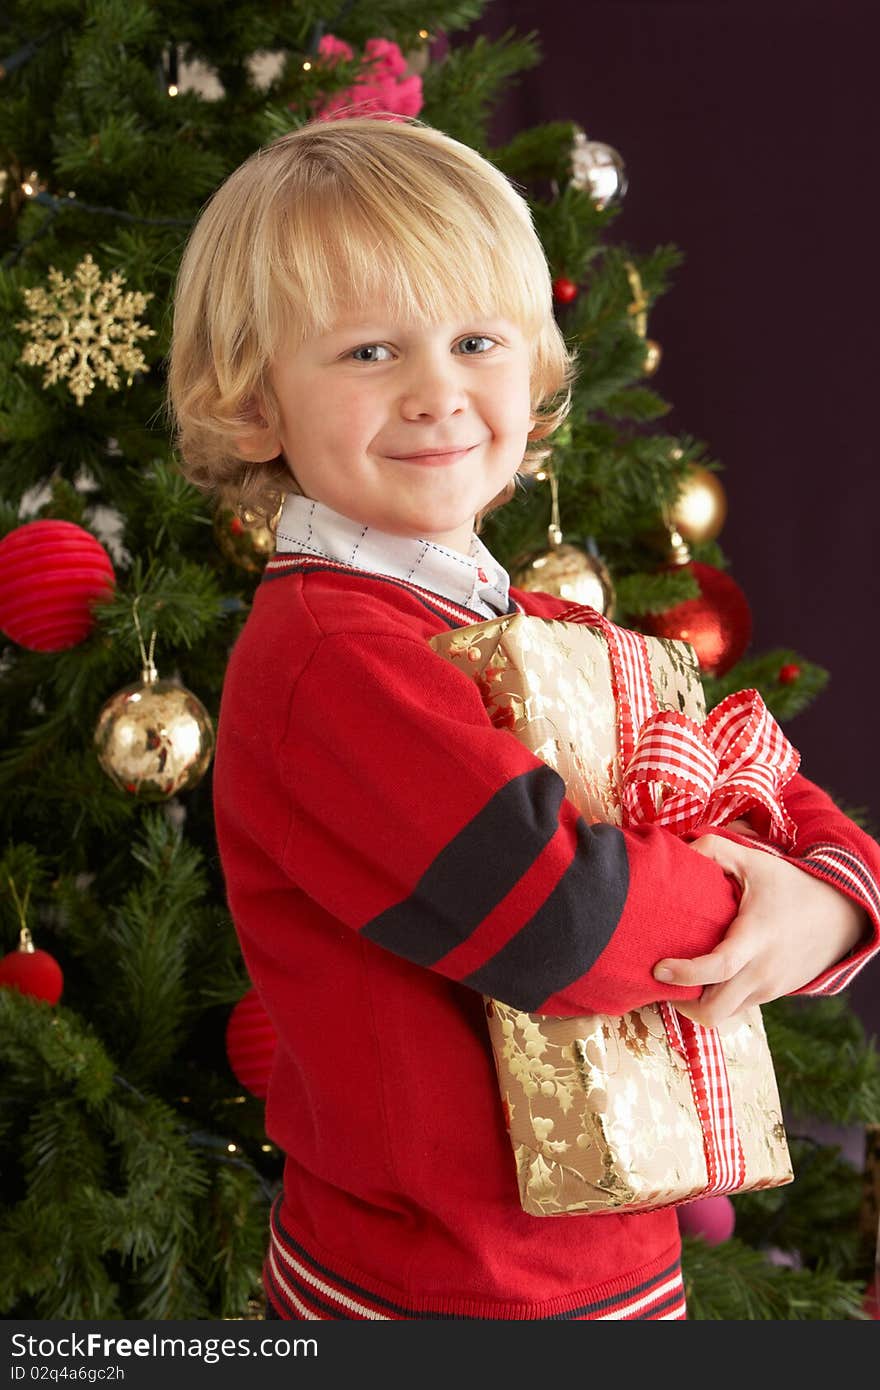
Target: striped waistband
{"x":301,"y":1288}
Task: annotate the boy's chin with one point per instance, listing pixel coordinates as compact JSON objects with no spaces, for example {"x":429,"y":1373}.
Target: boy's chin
{"x":457,"y":535}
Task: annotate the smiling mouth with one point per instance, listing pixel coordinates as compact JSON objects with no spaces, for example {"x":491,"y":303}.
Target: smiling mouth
{"x":437,"y":457}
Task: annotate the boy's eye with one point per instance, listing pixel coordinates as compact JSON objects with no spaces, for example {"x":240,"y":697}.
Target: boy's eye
{"x":472,"y":346}
{"x":370,"y":353}
{"x":475,"y":344}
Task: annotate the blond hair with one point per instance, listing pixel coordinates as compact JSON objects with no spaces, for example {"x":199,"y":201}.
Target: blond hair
{"x":335,"y":215}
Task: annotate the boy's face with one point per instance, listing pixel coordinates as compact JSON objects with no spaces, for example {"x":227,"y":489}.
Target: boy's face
{"x":412,"y":428}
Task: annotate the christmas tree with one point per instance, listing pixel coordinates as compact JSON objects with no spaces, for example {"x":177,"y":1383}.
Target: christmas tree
{"x":137,"y":1174}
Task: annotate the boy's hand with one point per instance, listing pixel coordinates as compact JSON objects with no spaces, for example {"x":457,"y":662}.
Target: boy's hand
{"x":789,"y":928}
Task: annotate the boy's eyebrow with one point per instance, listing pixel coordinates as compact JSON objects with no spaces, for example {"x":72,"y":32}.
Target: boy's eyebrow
{"x":353,"y":325}
{"x":383,"y":326}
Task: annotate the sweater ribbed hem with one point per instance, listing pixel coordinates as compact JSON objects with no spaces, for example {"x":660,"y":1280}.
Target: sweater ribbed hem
{"x":304,"y":1285}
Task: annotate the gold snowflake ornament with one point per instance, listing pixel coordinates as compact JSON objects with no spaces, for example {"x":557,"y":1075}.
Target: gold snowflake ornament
{"x":84,"y":329}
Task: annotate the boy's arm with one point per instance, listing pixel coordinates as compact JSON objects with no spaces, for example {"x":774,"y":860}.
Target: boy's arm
{"x":444,"y":840}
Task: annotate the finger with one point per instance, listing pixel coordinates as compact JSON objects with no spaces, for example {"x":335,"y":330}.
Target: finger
{"x":717,"y":1004}
{"x":716,"y":967}
{"x":727,"y":854}
{"x":742,"y":827}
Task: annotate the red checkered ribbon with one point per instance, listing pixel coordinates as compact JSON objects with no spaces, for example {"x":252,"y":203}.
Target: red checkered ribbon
{"x":682,"y":774}
{"x":710,"y":1086}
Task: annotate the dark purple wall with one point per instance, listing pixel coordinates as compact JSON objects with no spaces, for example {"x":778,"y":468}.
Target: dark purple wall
{"x":750,"y":137}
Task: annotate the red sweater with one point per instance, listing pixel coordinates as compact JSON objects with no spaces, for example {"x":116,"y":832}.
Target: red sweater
{"x":389,"y":858}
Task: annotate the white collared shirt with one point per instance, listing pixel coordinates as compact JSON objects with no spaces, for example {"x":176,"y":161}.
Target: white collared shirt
{"x":475,"y":581}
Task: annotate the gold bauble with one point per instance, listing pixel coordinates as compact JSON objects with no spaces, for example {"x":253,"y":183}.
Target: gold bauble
{"x":570,"y":573}
{"x":653,"y":355}
{"x":701,"y":507}
{"x":154,"y":739}
{"x":241,"y":540}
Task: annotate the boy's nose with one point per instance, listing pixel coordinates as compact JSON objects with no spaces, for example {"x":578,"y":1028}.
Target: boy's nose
{"x":432,"y":391}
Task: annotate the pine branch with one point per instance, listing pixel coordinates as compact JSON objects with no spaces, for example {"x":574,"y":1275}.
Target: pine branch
{"x":148,"y":947}
{"x":401,"y":19}
{"x":181,"y":603}
{"x":635,"y":403}
{"x":537,"y":154}
{"x":733,"y":1282}
{"x":459,"y":92}
{"x":815,"y":1219}
{"x":58,"y":797}
{"x":640,"y":594}
{"x":110,"y":1171}
{"x":43,"y":1047}
{"x":784,"y":699}
{"x":24,"y":880}
{"x":570,"y":227}
{"x":825,"y":1065}
{"x":232,"y":1242}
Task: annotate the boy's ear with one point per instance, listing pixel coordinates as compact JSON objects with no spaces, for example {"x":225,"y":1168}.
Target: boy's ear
{"x":258,"y":445}
{"x":257,"y":441}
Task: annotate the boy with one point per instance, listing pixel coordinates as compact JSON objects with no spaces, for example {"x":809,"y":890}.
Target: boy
{"x":364,"y":332}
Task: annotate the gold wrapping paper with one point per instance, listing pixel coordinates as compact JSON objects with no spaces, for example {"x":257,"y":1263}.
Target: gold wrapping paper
{"x":600,"y":1109}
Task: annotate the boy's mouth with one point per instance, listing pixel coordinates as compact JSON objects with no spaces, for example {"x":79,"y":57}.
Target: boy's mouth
{"x":434,"y":456}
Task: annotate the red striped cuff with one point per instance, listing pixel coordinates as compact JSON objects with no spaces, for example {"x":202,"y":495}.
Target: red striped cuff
{"x":844,"y":870}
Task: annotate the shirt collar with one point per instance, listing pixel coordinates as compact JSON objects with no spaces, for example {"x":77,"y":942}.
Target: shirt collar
{"x":475,"y":581}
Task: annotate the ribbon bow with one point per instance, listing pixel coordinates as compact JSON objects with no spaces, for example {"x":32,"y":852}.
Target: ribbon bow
{"x":681,"y":774}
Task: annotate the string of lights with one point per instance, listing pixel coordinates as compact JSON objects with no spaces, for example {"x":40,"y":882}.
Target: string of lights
{"x":68,"y":203}
{"x":24,"y":54}
{"x":224,"y":1150}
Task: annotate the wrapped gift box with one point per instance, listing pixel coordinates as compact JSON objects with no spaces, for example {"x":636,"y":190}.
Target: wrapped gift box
{"x":602,"y":1111}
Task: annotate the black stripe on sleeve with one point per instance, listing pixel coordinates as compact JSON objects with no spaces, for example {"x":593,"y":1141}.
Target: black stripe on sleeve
{"x":472,"y":873}
{"x":567,"y":934}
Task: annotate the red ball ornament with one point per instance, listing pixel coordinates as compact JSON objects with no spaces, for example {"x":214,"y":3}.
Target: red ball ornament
{"x":32,"y":972}
{"x":789,"y":673}
{"x":564,"y":290}
{"x":718,"y":624}
{"x":51,"y":574}
{"x":250,"y":1044}
{"x":712,"y":1218}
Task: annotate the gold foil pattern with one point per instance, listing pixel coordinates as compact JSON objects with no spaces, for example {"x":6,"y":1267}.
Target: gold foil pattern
{"x":600,"y":1109}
